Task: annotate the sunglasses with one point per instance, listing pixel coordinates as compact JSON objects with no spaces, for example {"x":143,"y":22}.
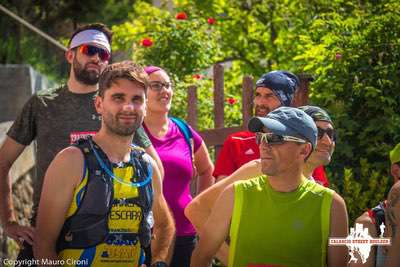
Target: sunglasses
{"x":90,"y":50}
{"x":158,"y":86}
{"x":328,"y":131}
{"x":276,"y":139}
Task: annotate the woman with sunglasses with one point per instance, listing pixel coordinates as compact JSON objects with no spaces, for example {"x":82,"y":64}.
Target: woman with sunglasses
{"x":180,"y":160}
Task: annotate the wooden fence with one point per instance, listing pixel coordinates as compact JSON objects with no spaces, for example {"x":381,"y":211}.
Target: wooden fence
{"x":215,"y":137}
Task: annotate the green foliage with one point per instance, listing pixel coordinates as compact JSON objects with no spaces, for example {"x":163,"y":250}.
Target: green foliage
{"x":361,"y":192}
{"x":359,"y":85}
{"x":179,"y":46}
{"x":352,"y":48}
{"x":57,"y":20}
{"x":185,"y":48}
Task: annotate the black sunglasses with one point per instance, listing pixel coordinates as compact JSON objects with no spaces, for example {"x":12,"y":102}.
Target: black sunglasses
{"x":91,"y":50}
{"x":329,"y":131}
{"x":158,"y":86}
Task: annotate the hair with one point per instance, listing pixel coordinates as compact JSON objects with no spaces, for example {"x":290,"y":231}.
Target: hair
{"x":128,"y":70}
{"x":93,"y":26}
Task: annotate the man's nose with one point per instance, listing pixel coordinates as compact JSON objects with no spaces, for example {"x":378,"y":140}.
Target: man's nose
{"x":95,"y":58}
{"x":129,"y":106}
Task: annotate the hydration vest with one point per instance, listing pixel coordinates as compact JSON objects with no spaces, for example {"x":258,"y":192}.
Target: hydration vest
{"x":88,"y":226}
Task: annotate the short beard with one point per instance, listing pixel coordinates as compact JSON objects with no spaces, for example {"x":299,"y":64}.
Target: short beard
{"x":258,"y":113}
{"x":114,"y":127}
{"x":84,"y":76}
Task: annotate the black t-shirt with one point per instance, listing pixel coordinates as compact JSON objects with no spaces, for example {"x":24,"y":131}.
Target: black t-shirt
{"x":56,"y":118}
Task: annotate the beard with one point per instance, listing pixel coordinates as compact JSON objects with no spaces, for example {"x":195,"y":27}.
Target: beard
{"x":116,"y":127}
{"x":262,"y":111}
{"x":88,"y":77}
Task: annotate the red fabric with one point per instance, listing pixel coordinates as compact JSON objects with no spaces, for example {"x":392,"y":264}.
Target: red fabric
{"x":240,"y":148}
{"x":371,"y":215}
{"x":319,"y":176}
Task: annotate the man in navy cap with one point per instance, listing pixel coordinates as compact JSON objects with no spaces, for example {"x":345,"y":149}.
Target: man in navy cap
{"x":280,"y":218}
{"x":274,"y":89}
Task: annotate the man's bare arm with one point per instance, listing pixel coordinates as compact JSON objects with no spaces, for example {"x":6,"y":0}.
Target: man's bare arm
{"x":393,"y":222}
{"x":9,"y":152}
{"x":339,"y":225}
{"x":199,"y":209}
{"x":61,"y":179}
{"x":215,"y":230}
{"x":204,"y":167}
{"x":164,"y":227}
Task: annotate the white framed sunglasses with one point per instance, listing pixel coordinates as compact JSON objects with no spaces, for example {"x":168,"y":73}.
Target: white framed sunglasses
{"x":276,"y":139}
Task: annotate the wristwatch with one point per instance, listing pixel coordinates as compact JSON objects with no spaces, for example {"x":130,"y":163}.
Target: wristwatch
{"x":159,"y":264}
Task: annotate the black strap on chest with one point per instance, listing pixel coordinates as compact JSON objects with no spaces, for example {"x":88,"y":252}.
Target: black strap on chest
{"x":88,"y":226}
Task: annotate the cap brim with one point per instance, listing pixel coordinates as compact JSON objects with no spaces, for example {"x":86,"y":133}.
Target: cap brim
{"x":257,"y":124}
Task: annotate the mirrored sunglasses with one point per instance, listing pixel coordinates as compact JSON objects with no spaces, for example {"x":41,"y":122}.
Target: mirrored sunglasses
{"x":275,"y":139}
{"x":90,"y":50}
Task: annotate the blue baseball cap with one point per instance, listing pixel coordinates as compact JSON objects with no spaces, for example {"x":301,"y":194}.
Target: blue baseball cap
{"x":282,"y":83}
{"x":287,"y":121}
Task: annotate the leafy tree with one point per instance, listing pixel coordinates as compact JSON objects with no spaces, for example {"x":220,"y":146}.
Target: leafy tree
{"x":59,"y":21}
{"x":350,"y":47}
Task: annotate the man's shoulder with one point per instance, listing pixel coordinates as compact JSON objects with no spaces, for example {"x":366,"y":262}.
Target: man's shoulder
{"x":317,"y":189}
{"x":51,"y":92}
{"x":257,"y":183}
{"x":72,"y":152}
{"x":47,"y":95}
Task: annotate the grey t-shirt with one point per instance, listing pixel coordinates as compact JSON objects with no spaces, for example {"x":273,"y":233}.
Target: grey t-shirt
{"x":56,"y":118}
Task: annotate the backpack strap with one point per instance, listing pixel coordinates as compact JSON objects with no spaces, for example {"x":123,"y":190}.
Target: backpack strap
{"x":187,"y":133}
{"x":88,"y":226}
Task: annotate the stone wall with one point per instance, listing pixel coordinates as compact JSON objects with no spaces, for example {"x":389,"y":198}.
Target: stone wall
{"x":22,"y":173}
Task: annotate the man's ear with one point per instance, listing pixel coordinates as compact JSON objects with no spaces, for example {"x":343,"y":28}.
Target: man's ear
{"x":306,"y":150}
{"x":98,"y":103}
{"x":69,"y":55}
{"x":395,"y":171}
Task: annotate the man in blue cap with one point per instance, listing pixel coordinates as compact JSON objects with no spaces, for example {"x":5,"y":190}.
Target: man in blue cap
{"x":274,"y":89}
{"x":252,"y":211}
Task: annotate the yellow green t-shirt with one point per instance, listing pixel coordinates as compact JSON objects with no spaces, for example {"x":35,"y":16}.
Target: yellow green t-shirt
{"x":279,"y":229}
